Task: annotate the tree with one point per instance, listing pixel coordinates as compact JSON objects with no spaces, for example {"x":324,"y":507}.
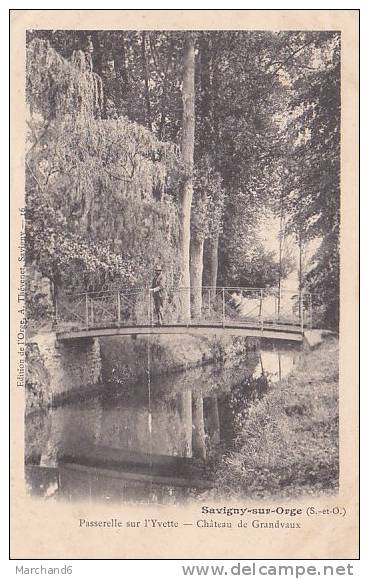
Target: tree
{"x":239,"y":103}
{"x":206,"y":215}
{"x":207,"y":211}
{"x":91,"y":181}
{"x":313,"y":185}
{"x":146,"y":77}
{"x":323,"y":280}
{"x":267,"y":125}
{"x":186,"y":191}
{"x":60,"y":254}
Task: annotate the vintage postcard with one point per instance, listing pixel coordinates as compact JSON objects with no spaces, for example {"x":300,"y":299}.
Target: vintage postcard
{"x":184,"y":284}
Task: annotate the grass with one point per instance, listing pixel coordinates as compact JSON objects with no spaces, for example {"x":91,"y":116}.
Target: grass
{"x":287,"y":445}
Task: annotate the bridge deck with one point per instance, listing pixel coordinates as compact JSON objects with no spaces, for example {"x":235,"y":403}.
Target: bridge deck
{"x":275,"y":331}
{"x":276,"y":314}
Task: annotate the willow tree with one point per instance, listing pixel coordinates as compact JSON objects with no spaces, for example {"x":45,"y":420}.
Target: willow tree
{"x":56,"y":89}
{"x":92,"y":182}
{"x":186,"y":192}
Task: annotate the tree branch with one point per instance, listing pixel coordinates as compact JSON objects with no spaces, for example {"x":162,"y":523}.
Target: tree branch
{"x":290,"y":57}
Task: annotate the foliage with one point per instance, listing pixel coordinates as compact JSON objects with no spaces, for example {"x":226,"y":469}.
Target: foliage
{"x":267,"y":127}
{"x":117,"y":58}
{"x":323,"y":282}
{"x":251,"y":267}
{"x":99,"y":191}
{"x":101,"y":161}
{"x":208,"y":200}
{"x":288,"y":441}
{"x":245,"y":144}
{"x":286,"y":122}
{"x":313,"y":168}
{"x":243,"y":257}
{"x":56,"y":87}
{"x":60,"y":253}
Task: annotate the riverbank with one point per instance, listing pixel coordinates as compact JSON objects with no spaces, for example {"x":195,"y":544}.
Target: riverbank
{"x":288,"y":444}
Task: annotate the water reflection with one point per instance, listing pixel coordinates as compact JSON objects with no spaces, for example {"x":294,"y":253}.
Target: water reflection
{"x":150,"y":440}
{"x":275,"y":362}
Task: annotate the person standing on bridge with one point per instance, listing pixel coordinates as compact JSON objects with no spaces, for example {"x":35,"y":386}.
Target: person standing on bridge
{"x":157,"y":288}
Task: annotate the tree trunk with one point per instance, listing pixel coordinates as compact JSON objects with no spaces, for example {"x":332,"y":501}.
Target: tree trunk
{"x":196,"y":268}
{"x":202,"y":147}
{"x":211,"y":261}
{"x":97,"y":52}
{"x":215,"y":91}
{"x":205,"y":99}
{"x":208,"y":142}
{"x":120,"y":59}
{"x":146,"y":78}
{"x":185,"y":196}
{"x":216,"y":145}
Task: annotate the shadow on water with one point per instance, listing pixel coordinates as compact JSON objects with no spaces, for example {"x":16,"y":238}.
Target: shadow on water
{"x":150,"y":440}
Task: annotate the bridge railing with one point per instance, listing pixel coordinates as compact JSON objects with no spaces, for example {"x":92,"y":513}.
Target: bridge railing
{"x":219,"y":306}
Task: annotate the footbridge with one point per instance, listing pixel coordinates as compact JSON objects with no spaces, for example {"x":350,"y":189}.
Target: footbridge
{"x":258,"y":312}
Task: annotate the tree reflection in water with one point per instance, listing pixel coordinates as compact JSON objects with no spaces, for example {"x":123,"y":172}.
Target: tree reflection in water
{"x":125,"y":443}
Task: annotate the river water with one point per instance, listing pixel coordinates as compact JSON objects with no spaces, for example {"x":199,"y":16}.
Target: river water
{"x":152,"y":440}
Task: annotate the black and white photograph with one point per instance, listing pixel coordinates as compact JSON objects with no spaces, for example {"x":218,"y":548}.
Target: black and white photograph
{"x":180,"y":269}
{"x":182,"y":266}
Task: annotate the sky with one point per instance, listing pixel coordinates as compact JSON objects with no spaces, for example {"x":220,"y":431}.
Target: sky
{"x":269,"y":230}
